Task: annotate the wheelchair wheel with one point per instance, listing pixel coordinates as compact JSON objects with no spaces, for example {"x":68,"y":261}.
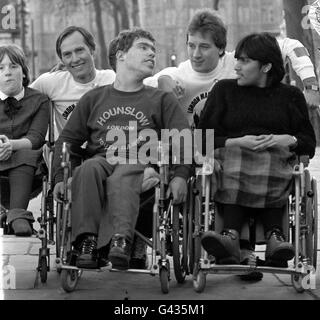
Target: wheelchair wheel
{"x":43,"y":269}
{"x":69,"y":279}
{"x":194,"y":229}
{"x":58,"y":229}
{"x":311,"y":217}
{"x":315,"y":222}
{"x":296,"y":280}
{"x":179,"y":242}
{"x":199,"y":279}
{"x":164,"y":279}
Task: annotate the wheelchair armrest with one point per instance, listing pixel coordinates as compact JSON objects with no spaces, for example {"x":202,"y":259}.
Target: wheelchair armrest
{"x":78,"y":152}
{"x":305,"y":160}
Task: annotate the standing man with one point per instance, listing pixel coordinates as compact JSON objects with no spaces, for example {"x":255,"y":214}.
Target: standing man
{"x":208,"y":63}
{"x":75,"y":47}
{"x":106,"y":195}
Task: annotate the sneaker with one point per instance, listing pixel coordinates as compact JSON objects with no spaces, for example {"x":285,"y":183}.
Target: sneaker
{"x":21,"y":228}
{"x":224,"y":247}
{"x":139,"y":254}
{"x":278,"y":251}
{"x":120,"y":251}
{"x":88,"y":253}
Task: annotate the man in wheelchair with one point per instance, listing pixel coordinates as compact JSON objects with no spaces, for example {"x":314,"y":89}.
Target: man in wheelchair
{"x":106,"y":194}
{"x":259,"y":123}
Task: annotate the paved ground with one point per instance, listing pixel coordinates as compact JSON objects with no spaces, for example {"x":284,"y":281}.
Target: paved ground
{"x":20,"y":257}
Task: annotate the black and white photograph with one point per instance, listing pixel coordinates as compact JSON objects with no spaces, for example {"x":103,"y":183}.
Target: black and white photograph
{"x":159,"y":154}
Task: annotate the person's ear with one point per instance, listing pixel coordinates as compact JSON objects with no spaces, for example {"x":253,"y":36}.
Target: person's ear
{"x":120,"y":55}
{"x":266,"y":68}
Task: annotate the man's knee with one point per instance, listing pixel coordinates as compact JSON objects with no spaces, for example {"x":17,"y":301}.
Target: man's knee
{"x":91,"y":166}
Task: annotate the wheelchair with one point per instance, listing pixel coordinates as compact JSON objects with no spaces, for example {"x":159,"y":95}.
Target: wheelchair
{"x":167,"y":237}
{"x":300,"y":225}
{"x":42,"y":183}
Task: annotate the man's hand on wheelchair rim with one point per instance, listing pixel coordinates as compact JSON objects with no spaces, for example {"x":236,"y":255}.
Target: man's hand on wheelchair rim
{"x":178,"y":188}
{"x":58,"y":190}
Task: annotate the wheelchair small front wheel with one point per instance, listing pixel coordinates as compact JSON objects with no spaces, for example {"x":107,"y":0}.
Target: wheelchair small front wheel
{"x":199,"y":279}
{"x":69,"y":280}
{"x":43,"y":269}
{"x":164,"y":279}
{"x":296,"y":280}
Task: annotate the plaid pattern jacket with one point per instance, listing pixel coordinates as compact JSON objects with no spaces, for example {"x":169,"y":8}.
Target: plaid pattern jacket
{"x":253,"y":179}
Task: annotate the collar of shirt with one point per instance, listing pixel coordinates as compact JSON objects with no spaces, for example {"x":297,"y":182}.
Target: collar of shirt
{"x":19,"y":96}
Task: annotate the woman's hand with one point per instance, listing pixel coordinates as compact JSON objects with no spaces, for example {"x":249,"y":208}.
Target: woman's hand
{"x":276,"y":140}
{"x":249,"y":141}
{"x":5,"y":148}
{"x":178,"y":188}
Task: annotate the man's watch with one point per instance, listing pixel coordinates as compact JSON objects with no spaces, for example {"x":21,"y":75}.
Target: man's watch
{"x":312,"y":87}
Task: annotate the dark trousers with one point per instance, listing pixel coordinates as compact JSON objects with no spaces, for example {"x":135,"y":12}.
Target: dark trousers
{"x":20,"y":184}
{"x":235,"y":216}
{"x":105,"y":199}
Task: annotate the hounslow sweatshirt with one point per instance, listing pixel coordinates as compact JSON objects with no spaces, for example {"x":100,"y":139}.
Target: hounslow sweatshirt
{"x":105,"y":109}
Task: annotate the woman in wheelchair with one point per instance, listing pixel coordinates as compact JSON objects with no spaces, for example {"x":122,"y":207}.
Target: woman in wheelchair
{"x":24,"y":115}
{"x":259,"y":125}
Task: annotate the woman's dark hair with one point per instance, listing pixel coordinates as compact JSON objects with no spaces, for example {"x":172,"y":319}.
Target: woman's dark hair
{"x":17,"y":56}
{"x":207,"y":21}
{"x":88,"y":38}
{"x":264,"y":48}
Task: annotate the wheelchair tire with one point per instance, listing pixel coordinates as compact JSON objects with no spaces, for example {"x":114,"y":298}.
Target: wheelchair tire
{"x":58,"y":229}
{"x":164,"y":279}
{"x":199,"y":279}
{"x":315,"y":222}
{"x":43,"y":269}
{"x":194,"y":228}
{"x":308,"y":215}
{"x":69,"y":279}
{"x":296,"y":280}
{"x":179,"y":242}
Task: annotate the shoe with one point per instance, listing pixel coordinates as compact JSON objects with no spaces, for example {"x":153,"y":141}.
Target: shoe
{"x":21,"y":227}
{"x":247,"y":257}
{"x":120,"y":252}
{"x":278,"y":251}
{"x":88,"y":256}
{"x":224,"y":247}
{"x":139,"y":254}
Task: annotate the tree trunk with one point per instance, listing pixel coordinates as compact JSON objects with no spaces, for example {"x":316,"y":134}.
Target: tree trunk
{"x":116,"y":21}
{"x":135,"y":13}
{"x":122,"y":7}
{"x":216,"y":4}
{"x":104,"y":61}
